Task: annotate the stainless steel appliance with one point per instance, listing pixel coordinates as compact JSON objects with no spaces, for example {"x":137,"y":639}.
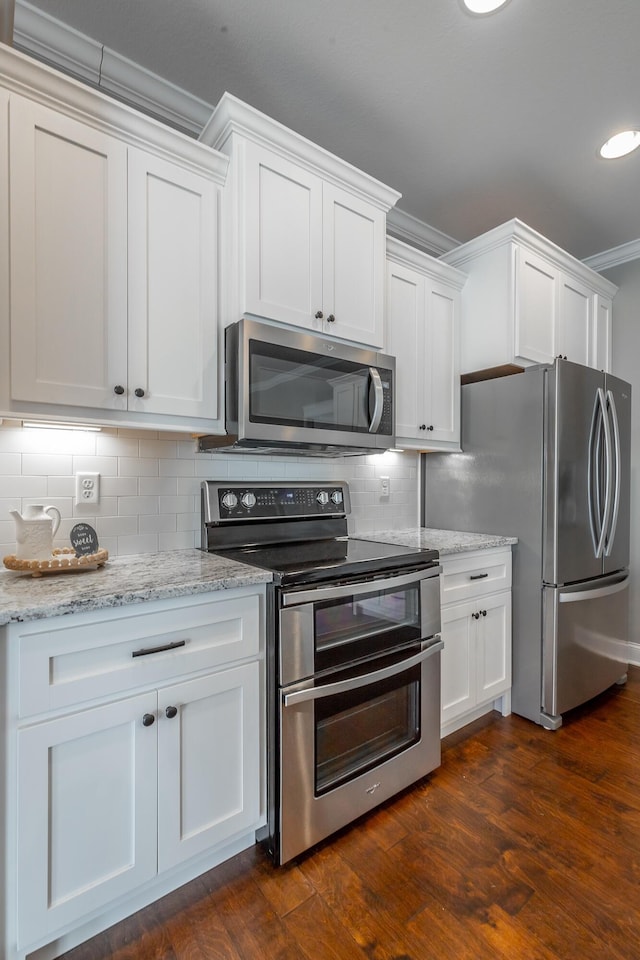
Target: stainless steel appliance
{"x":547,"y":459}
{"x":289,"y":391}
{"x":353,"y":655}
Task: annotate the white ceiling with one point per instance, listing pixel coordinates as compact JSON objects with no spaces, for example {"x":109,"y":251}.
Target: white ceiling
{"x":474,"y":120}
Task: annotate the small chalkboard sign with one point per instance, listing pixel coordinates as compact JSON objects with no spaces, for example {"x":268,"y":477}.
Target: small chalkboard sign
{"x":84,"y":539}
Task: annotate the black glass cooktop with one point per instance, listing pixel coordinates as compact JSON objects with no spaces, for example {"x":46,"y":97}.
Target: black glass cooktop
{"x":319,"y":560}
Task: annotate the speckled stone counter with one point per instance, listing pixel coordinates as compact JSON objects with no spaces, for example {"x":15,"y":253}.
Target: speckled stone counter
{"x":122,"y":580}
{"x":445,"y":541}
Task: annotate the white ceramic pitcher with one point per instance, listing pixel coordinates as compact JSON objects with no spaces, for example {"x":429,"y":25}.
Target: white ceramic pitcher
{"x":35,"y":531}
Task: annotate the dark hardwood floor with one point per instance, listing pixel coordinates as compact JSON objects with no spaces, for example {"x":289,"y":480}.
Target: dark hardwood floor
{"x":523,"y":845}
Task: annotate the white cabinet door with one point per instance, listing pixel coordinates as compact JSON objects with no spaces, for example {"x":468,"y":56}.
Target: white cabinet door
{"x":442,"y":362}
{"x":353,"y":267}
{"x":313,"y":253}
{"x":282,"y":239}
{"x":172,"y":289}
{"x":476,"y":659}
{"x":493,"y":647}
{"x":209,"y":762}
{"x":423,"y":335}
{"x":68,"y":185}
{"x":576,"y":321}
{"x":601,"y":349}
{"x":536,"y":315}
{"x":405,"y":341}
{"x":87,"y":828}
{"x":458,"y":660}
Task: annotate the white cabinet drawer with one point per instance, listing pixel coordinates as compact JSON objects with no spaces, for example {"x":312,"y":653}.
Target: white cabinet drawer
{"x":65,"y":661}
{"x":475,"y":575}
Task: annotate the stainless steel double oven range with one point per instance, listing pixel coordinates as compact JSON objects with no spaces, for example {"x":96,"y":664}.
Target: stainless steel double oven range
{"x":353,"y":655}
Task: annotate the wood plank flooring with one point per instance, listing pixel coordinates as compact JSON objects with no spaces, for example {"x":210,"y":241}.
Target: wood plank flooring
{"x":523,"y":845}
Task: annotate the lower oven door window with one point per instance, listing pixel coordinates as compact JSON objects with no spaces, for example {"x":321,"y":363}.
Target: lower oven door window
{"x":357,"y":730}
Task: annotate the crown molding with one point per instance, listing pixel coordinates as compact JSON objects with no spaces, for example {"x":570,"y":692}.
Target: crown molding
{"x":408,"y":255}
{"x":47,"y":39}
{"x":235,"y":117}
{"x":615,"y":256}
{"x":413,"y":231}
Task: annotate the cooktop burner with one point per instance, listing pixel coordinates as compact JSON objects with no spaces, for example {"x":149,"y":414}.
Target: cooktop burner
{"x":297,"y":531}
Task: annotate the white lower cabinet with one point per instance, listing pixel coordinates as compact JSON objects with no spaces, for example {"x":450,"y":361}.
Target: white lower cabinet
{"x":476,"y":630}
{"x":116,"y":794}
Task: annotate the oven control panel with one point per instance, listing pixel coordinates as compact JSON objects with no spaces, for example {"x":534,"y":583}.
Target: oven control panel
{"x":264,"y":501}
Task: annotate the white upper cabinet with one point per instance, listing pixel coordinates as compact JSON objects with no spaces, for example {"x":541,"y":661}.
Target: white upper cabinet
{"x":172,"y":334}
{"x":68,"y":188}
{"x":113,"y":234}
{"x":305,"y":231}
{"x":423,"y":333}
{"x":528,"y":301}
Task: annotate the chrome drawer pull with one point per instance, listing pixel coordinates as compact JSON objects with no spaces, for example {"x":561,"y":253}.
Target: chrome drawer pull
{"x":167,"y":646}
{"x":478,"y":576}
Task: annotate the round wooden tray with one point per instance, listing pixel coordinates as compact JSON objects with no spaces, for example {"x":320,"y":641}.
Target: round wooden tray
{"x":62,"y":561}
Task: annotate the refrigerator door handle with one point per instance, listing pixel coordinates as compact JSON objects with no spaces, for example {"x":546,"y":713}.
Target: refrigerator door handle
{"x":615,"y":466}
{"x":598,"y":513}
{"x":577,"y":595}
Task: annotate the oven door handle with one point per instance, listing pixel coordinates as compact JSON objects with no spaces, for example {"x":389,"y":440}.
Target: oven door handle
{"x":293,"y":597}
{"x":344,"y":686}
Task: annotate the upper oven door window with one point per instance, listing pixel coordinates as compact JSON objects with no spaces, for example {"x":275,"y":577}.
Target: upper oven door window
{"x":296,"y":388}
{"x":350,"y":629}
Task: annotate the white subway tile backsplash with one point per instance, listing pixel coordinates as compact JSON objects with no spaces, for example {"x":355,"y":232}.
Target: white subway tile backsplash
{"x":160,"y":523}
{"x":150,"y":484}
{"x":134,"y":506}
{"x":47,"y":464}
{"x":21,"y":486}
{"x":137,"y":467}
{"x":158,"y":486}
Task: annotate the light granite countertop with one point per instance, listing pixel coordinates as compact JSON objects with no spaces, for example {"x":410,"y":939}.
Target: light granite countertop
{"x":122,"y":580}
{"x":444,"y":541}
{"x":181,"y":573}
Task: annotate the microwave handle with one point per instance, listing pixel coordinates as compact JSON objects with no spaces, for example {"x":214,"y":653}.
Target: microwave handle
{"x":375,"y":386}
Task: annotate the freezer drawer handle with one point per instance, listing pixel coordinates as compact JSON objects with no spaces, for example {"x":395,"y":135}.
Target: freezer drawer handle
{"x":344,"y":686}
{"x":594,"y":594}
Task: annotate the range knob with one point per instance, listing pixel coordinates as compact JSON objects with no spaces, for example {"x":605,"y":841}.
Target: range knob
{"x":248,"y":500}
{"x":336,"y":496}
{"x":323,"y":498}
{"x":229,"y":500}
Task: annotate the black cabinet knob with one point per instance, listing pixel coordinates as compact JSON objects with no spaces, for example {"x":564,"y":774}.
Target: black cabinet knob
{"x":319,"y":315}
{"x":171,"y":712}
{"x":430,"y":427}
{"x":148,"y":720}
{"x":484,"y":613}
{"x":476,"y":616}
{"x":331,"y":318}
{"x":139,"y":392}
{"x":422,"y":426}
{"x":119,"y":390}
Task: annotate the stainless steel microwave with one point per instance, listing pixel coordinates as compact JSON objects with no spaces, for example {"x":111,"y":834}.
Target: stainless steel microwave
{"x":287,"y":391}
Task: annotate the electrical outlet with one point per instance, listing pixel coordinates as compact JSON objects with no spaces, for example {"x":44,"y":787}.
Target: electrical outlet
{"x":87,"y":488}
{"x":385,"y":486}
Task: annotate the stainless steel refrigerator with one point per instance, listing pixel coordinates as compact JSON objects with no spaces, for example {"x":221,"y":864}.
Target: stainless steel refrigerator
{"x":547,"y":459}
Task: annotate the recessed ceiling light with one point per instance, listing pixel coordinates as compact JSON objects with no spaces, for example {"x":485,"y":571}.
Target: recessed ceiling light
{"x":620,"y":145}
{"x":483,"y":6}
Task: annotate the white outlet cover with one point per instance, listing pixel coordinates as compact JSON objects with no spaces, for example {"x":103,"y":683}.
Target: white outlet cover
{"x":87,"y":488}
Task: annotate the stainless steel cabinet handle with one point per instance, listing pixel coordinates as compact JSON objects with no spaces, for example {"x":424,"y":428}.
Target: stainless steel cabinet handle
{"x":343,"y":686}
